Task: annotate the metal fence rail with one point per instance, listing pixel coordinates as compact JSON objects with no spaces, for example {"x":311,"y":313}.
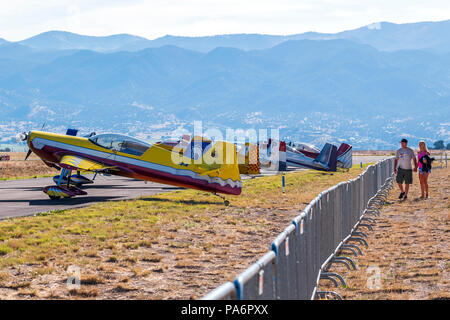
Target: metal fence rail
{"x":335,"y":222}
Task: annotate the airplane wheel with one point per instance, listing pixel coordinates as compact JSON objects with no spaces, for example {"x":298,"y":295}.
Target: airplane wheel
{"x":53,"y":198}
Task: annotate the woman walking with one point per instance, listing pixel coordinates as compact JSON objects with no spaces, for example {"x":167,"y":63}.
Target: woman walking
{"x":424,"y":168}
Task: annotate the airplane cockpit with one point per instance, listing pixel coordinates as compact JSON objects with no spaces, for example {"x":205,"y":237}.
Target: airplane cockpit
{"x":301,"y":146}
{"x":121,"y":143}
{"x":197,"y":147}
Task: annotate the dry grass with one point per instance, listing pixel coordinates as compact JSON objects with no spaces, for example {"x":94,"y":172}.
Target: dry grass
{"x":409,"y":246}
{"x":19,"y":156}
{"x":83,"y":292}
{"x":178,"y":245}
{"x":91,"y":279}
{"x":17,"y":168}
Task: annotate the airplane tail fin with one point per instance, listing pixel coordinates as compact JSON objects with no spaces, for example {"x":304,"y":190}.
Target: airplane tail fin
{"x":282,"y":161}
{"x":328,"y":157}
{"x":275,"y":159}
{"x":248,"y":158}
{"x":225,"y":172}
{"x":345,"y":156}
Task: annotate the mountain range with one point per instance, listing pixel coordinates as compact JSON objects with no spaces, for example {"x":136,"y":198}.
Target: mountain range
{"x":369,"y":86}
{"x":384,"y":36}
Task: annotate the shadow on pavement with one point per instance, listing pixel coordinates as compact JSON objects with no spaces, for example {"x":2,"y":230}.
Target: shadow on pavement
{"x":63,"y":202}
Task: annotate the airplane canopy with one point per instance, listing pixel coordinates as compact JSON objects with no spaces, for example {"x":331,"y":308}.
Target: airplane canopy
{"x":121,"y":143}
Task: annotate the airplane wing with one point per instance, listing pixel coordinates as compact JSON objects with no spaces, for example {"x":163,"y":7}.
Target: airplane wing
{"x":80,"y":163}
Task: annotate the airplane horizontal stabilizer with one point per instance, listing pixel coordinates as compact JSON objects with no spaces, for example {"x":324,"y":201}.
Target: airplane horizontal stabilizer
{"x":345,"y":156}
{"x":328,"y":157}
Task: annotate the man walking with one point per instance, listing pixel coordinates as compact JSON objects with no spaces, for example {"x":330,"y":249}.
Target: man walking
{"x":404,"y":173}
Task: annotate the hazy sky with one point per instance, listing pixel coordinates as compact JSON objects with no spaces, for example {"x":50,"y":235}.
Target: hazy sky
{"x":20,"y":19}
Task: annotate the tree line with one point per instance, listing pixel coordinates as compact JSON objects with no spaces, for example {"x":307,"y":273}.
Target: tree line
{"x":439,"y":145}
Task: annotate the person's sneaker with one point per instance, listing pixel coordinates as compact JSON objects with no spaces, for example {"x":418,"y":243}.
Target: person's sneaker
{"x":405,"y":197}
{"x":401,"y":195}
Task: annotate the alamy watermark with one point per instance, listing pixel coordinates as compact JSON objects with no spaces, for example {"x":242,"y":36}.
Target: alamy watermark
{"x":213,"y":146}
{"x":74,"y":279}
{"x":374,"y":278}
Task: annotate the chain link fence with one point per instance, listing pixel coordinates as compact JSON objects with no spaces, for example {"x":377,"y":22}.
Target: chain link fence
{"x":332,"y":224}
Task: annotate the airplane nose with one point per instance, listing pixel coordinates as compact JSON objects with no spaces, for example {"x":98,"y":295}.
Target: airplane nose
{"x":21,"y":137}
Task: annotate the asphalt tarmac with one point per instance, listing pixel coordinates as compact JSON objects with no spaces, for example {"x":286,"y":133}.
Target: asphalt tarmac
{"x":25,"y":197}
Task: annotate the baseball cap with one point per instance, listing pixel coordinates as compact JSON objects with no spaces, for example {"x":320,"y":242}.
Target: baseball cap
{"x":404,"y":140}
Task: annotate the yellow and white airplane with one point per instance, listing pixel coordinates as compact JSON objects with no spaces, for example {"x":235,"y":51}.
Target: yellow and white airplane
{"x":197,"y":164}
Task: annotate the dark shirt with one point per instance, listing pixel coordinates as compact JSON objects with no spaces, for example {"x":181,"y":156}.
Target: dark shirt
{"x":426,"y":165}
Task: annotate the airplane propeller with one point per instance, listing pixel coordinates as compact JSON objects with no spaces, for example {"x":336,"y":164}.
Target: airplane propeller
{"x":21,"y":137}
{"x":28,"y":154}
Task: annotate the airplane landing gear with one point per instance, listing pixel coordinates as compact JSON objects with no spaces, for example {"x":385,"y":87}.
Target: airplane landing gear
{"x":65,"y":190}
{"x":225,"y":201}
{"x":56,"y":192}
{"x":77,"y":180}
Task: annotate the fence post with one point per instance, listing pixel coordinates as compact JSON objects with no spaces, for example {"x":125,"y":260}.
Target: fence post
{"x":247,"y":283}
{"x":300,"y":223}
{"x":267,"y":277}
{"x":286,"y":276}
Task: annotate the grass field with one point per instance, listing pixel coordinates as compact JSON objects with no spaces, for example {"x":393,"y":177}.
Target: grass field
{"x":176,"y":245}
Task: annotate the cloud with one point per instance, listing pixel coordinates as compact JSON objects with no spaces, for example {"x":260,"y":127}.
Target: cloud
{"x":142,"y":106}
{"x":42,"y":111}
{"x":24,"y":18}
{"x":374,"y":26}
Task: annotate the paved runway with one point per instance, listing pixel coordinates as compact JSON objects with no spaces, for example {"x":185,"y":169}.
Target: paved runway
{"x":25,"y":197}
{"x":368,"y":159}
